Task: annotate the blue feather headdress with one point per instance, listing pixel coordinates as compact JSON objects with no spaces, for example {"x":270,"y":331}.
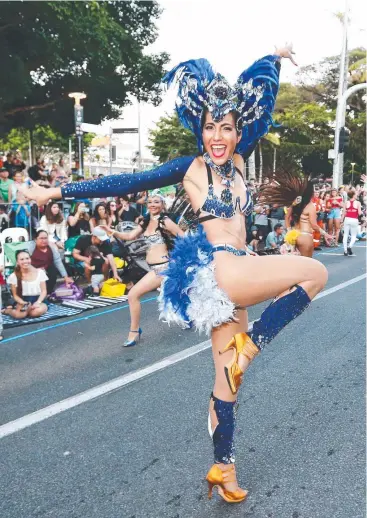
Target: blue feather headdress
{"x":252,"y":97}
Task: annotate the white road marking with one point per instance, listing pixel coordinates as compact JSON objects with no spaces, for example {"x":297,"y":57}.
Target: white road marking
{"x":117,"y":383}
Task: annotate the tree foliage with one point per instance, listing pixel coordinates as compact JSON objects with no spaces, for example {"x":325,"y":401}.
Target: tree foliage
{"x":306,"y":114}
{"x":45,"y":142}
{"x":170,"y":139}
{"x":49,"y":49}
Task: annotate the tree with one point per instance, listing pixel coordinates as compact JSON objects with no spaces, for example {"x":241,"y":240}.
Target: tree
{"x":306,"y":114}
{"x":46,"y":142}
{"x":170,"y":139}
{"x":49,"y":49}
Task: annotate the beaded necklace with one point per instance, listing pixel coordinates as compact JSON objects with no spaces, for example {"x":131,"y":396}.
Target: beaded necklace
{"x":227,"y":171}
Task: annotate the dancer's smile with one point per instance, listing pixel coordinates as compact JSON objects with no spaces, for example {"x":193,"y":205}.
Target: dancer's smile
{"x":220,"y":138}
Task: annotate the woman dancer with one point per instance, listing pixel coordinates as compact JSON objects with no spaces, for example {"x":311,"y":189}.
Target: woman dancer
{"x":352,"y":211}
{"x":210,"y":279}
{"x":157,"y":230}
{"x":295,"y":192}
{"x":28,"y":287}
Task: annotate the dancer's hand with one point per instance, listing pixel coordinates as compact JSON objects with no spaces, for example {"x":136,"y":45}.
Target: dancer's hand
{"x":328,"y":238}
{"x":286,"y":52}
{"x":249,"y":251}
{"x":117,"y":278}
{"x":40,"y":195}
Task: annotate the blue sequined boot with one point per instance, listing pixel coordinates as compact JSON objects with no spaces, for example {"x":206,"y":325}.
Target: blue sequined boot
{"x":222,"y":434}
{"x":276,"y":316}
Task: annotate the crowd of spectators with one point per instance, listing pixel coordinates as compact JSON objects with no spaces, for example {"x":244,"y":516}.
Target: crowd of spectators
{"x":51,"y":227}
{"x":266,"y":227}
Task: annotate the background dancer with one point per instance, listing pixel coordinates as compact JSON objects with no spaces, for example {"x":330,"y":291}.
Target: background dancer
{"x":158,"y":231}
{"x":210,"y":279}
{"x":295,"y":192}
{"x":352,"y":211}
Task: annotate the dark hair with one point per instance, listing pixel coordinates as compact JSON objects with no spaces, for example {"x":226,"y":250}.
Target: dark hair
{"x":283,"y":189}
{"x":351,"y":193}
{"x":39,"y":232}
{"x":95,"y":212}
{"x":108,"y":207}
{"x":277,"y":226}
{"x":167,"y":236}
{"x":51,"y":217}
{"x":75,"y":210}
{"x":93,"y":251}
{"x":18,"y":273}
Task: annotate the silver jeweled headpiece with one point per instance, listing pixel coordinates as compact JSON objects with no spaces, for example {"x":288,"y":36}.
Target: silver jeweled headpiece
{"x":252,"y":97}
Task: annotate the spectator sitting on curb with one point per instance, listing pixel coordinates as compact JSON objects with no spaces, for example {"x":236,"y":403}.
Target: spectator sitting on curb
{"x":275,"y":238}
{"x":97,"y":263}
{"x":28,"y":287}
{"x":47,"y":257}
{"x":99,"y":238}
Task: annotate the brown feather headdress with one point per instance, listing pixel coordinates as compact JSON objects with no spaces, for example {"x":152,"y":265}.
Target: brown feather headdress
{"x":284,"y":188}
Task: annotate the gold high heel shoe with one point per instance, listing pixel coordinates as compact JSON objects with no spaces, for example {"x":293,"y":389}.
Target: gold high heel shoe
{"x":217,"y":478}
{"x":241,"y":343}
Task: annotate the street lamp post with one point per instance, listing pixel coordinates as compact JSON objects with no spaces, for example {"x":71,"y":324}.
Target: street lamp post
{"x":352,"y":164}
{"x":79,"y":117}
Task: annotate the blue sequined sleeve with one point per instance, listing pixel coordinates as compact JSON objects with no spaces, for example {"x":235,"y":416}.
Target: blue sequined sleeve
{"x":126,"y":183}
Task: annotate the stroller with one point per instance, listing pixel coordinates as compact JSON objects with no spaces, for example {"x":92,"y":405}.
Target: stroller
{"x":133,"y":253}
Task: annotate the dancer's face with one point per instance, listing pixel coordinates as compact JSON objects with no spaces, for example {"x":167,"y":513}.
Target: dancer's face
{"x":155,"y":205}
{"x":220,"y":138}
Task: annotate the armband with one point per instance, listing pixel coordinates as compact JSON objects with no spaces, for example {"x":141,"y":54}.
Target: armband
{"x":126,"y":183}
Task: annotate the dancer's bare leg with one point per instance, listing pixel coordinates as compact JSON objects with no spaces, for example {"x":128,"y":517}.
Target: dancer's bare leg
{"x":305,"y":245}
{"x":251,"y":280}
{"x":151,"y":281}
{"x":221,"y":336}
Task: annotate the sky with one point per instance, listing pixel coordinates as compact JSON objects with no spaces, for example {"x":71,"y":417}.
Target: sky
{"x":232,"y":34}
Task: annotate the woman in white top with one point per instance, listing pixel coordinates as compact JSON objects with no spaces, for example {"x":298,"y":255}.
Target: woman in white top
{"x":28,"y":287}
{"x":54,"y":224}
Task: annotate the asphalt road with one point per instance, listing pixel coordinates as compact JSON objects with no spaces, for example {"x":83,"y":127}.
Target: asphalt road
{"x":143,"y":450}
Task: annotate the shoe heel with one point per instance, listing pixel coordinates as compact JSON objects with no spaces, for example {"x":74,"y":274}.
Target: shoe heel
{"x":210,"y":490}
{"x":231,"y":382}
{"x":230,"y":345}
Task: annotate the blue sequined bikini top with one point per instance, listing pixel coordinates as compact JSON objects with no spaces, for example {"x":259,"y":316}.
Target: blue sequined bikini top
{"x":222,"y":207}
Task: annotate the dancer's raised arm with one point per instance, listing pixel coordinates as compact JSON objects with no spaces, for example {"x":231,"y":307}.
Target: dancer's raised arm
{"x":115,"y":185}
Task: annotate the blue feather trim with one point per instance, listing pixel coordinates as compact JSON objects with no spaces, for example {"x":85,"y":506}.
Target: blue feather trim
{"x":190,"y":253}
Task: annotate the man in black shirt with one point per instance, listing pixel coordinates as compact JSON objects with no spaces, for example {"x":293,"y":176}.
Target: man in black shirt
{"x":38,"y":175}
{"x":99,"y":238}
